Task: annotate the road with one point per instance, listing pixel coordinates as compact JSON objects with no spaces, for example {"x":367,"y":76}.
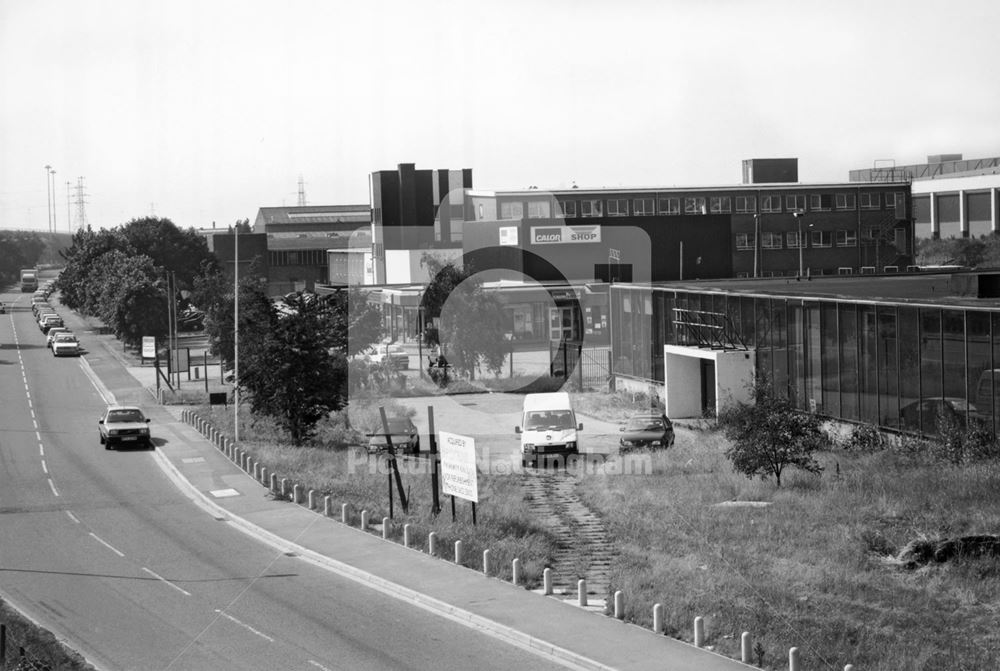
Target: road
{"x":100,"y":547}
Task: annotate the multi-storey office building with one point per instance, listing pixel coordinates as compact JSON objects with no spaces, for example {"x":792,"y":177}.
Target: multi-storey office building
{"x":891,"y":354}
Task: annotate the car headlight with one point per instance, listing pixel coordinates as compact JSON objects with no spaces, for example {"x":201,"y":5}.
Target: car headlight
{"x":144,"y":431}
{"x":113,"y":432}
{"x":657,"y":442}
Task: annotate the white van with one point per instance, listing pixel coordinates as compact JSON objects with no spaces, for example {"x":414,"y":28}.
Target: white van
{"x":548,"y":427}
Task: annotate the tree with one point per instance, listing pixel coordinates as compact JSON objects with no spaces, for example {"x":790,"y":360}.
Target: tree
{"x":213,"y":293}
{"x":294,"y":373}
{"x":132,"y":302}
{"x":769,"y":435}
{"x":470,"y":323}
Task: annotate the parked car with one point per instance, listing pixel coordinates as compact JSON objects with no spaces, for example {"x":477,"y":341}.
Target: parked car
{"x":3,"y":309}
{"x":389,"y":353}
{"x":65,"y":344}
{"x":53,"y":332}
{"x":936,"y":411}
{"x":48,"y":320}
{"x":403,"y":432}
{"x":124,"y":425}
{"x":191,"y":320}
{"x":647,"y":430}
{"x":40,"y":306}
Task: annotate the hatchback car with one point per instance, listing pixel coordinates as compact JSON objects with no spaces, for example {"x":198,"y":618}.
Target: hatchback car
{"x":47,"y":321}
{"x":53,"y":332}
{"x":394,"y":355}
{"x":404,"y":434}
{"x":65,"y":344}
{"x":647,"y":430}
{"x":124,"y":425}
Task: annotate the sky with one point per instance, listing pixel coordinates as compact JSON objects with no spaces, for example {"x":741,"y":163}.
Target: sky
{"x":204,"y":111}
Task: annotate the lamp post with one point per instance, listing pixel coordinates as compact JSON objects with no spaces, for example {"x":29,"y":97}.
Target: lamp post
{"x":756,"y":245}
{"x":236,"y":333}
{"x":798,"y":214}
{"x":48,"y":193}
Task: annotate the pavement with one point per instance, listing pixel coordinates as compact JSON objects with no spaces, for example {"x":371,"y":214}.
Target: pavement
{"x":554,"y":628}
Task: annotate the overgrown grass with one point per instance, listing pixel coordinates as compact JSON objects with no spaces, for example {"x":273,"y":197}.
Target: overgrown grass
{"x":335,"y":467}
{"x":806,"y":571}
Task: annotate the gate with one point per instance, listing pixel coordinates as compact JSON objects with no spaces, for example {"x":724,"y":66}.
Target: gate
{"x":590,"y":367}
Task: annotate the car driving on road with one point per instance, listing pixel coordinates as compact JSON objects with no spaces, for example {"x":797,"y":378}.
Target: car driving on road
{"x":394,"y":355}
{"x":65,"y":344}
{"x":124,"y":425}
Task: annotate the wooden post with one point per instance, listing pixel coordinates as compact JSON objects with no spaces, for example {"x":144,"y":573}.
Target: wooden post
{"x":435,"y":500}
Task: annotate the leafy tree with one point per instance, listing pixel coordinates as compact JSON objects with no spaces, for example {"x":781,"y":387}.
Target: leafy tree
{"x":770,"y":434}
{"x":294,"y":372}
{"x":356,"y":323}
{"x":213,"y":293}
{"x":185,"y":253}
{"x":132,"y":303}
{"x":471,"y":323}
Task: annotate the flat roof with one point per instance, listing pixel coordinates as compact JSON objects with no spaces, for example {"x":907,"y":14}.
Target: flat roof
{"x":752,"y":188}
{"x":928,"y":289}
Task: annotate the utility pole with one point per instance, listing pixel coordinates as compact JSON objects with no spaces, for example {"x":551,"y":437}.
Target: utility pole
{"x":69,"y":217}
{"x":54,"y":227}
{"x":81,"y":210}
{"x":48,"y":193}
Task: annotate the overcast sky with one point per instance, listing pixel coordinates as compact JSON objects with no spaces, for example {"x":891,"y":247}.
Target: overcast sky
{"x":206,"y":110}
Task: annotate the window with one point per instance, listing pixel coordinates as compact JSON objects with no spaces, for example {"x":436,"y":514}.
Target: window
{"x":591,"y":208}
{"x":795,"y":203}
{"x":539,"y":209}
{"x":744,"y":241}
{"x":847,"y":239}
{"x":871,"y":235}
{"x":770,"y":240}
{"x":568,"y":208}
{"x":822,"y":239}
{"x":890,"y":200}
{"x":617,"y":207}
{"x":746,"y":204}
{"x":670,"y":205}
{"x":511,"y":211}
{"x":694,"y":205}
{"x":792,"y":240}
{"x":869,"y":201}
{"x":643,"y":207}
{"x":845,"y":201}
{"x":821,"y":201}
{"x":721,"y":204}
{"x":770,"y":203}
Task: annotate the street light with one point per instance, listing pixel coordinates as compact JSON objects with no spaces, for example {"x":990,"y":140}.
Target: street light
{"x":798,"y":214}
{"x":756,"y":245}
{"x":48,"y":193}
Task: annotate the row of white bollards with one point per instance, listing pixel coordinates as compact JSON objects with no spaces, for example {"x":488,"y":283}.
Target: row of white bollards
{"x":280,"y":487}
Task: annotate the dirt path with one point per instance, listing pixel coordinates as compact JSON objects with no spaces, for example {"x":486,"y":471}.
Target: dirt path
{"x":584,"y":549}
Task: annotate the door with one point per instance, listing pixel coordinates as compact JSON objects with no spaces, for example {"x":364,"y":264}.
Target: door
{"x":707,"y":387}
{"x":561,"y":324}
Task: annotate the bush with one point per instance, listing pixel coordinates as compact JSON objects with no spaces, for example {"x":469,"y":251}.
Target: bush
{"x":865,"y":438}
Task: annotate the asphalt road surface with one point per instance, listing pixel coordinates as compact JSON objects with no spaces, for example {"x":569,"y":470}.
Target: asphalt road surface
{"x":102,"y":549}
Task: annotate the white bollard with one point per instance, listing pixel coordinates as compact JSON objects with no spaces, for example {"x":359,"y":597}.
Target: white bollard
{"x":793,"y":659}
{"x":431,"y":541}
{"x":274,"y":482}
{"x":263,"y":475}
{"x":312,"y":499}
{"x":343,"y":513}
{"x":326,"y":506}
{"x":284,"y":488}
{"x":296,"y":492}
{"x":515,"y":571}
{"x":619,"y":605}
{"x":699,"y":632}
{"x":458,"y":552}
{"x":547,"y":581}
{"x":849,"y":667}
{"x":658,"y":618}
{"x":486,"y":562}
{"x":406,"y":535}
{"x":581,"y":592}
{"x":745,"y":648}
{"x":385,"y":528}
{"x":364,"y":520}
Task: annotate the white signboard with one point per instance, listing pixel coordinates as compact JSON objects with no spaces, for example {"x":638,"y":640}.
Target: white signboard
{"x":458,"y":466}
{"x":148,"y":347}
{"x":557,"y":235}
{"x":508,"y":236}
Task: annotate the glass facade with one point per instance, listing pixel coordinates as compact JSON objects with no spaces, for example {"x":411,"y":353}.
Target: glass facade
{"x":897,"y":365}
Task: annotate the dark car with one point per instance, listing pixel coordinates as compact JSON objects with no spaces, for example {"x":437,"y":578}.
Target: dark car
{"x":937,"y":412}
{"x":647,"y":430}
{"x":404,"y":434}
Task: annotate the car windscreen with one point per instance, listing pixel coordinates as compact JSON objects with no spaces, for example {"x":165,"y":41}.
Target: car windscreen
{"x":549,"y":419}
{"x":644,"y":424}
{"x":125,"y":416}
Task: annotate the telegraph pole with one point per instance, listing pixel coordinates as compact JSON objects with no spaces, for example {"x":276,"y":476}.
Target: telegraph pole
{"x":48,"y":192}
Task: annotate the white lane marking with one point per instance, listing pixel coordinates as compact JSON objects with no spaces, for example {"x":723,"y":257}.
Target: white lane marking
{"x":103,"y":391}
{"x":33,"y":417}
{"x":45,"y":469}
{"x":41,"y":450}
{"x":107,"y":544}
{"x":53,"y":486}
{"x":38,"y":435}
{"x":318,"y":665}
{"x":159,"y":577}
{"x":245,"y":625}
{"x":72,"y":516}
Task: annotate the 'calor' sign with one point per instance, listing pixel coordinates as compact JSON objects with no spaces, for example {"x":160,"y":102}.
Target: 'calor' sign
{"x":555,"y":235}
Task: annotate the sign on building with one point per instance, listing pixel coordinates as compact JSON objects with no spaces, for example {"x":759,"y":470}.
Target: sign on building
{"x":458,"y":466}
{"x":508,"y":236}
{"x":557,"y":235}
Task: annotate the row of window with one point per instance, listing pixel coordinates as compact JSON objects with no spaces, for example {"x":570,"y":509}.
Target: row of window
{"x":304,"y":257}
{"x":647,"y":207}
{"x":772,"y":240}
